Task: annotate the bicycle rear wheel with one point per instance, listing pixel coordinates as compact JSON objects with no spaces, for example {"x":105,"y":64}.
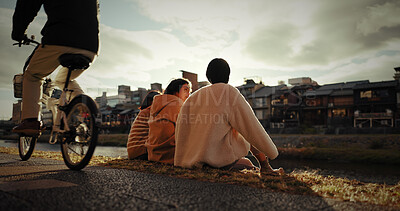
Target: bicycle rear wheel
{"x":78,"y":144}
{"x":26,"y":145}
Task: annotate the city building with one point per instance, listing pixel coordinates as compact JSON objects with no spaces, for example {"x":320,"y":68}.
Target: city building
{"x":375,"y":104}
{"x":330,"y":108}
{"x":249,"y":87}
{"x":261,"y":103}
{"x":302,"y":81}
{"x":120,"y":109}
{"x":330,"y":105}
{"x":192,"y":77}
{"x":156,"y":86}
{"x":354,"y":104}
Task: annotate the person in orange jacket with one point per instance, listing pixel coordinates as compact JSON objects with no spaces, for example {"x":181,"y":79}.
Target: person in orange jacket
{"x":163,"y":114}
{"x":139,"y":132}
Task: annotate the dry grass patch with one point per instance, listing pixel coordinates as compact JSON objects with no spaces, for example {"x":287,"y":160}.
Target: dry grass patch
{"x":350,"y":190}
{"x":297,"y":182}
{"x":284,"y":183}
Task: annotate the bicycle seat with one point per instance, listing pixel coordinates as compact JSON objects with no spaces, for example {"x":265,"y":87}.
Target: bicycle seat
{"x":74,"y":61}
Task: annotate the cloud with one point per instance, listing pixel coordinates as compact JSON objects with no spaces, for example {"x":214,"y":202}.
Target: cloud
{"x":222,"y":29}
{"x":288,"y":35}
{"x":330,"y":41}
{"x":272,"y":44}
{"x":380,"y":16}
{"x":338,"y":37}
{"x":132,"y":55}
{"x":12,"y":58}
{"x":374,"y":69}
{"x":332,"y":35}
{"x":211,"y":24}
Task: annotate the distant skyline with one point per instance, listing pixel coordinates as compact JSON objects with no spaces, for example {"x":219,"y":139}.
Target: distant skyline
{"x":148,"y":41}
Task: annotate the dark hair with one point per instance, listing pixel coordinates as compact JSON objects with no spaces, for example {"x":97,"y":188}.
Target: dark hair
{"x":148,"y":100}
{"x":218,"y":71}
{"x":175,"y":85}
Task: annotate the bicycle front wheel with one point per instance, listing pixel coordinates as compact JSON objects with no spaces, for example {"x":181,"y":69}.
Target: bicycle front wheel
{"x":78,"y":144}
{"x":26,"y":145}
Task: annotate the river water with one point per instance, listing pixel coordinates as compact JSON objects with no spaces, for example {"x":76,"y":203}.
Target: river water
{"x":374,"y":173}
{"x":100,"y":150}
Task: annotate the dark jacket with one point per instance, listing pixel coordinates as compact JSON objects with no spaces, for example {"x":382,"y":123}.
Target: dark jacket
{"x":72,"y":23}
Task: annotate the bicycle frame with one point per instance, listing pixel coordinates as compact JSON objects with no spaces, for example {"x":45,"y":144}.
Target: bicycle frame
{"x":51,"y":103}
{"x":74,"y":118}
{"x":54,"y":106}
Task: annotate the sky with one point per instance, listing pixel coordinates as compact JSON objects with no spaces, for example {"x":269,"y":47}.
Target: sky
{"x":148,"y":41}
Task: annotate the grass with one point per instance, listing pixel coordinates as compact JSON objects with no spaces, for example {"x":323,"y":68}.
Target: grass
{"x":297,"y":182}
{"x":349,"y":148}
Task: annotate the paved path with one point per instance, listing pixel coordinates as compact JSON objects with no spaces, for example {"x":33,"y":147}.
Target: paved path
{"x":40,"y":184}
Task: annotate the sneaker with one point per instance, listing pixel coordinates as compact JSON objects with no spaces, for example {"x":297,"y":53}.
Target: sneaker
{"x":29,"y":128}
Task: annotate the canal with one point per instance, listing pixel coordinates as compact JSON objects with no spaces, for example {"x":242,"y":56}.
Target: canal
{"x":100,"y":150}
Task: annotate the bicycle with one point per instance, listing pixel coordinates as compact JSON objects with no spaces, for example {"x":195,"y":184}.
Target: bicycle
{"x":74,"y":121}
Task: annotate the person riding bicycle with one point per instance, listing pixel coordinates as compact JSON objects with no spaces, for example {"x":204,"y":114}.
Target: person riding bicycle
{"x":72,"y":27}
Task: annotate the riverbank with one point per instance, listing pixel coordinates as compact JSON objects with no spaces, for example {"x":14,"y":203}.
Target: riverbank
{"x":103,"y":139}
{"x":374,"y":149}
{"x":301,"y":182}
{"x":364,"y":172}
{"x":365,"y":141}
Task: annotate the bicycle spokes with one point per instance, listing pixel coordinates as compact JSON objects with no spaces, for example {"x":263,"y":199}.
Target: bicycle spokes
{"x":76,"y":151}
{"x":79,"y":141}
{"x":79,"y":122}
{"x":26,"y":146}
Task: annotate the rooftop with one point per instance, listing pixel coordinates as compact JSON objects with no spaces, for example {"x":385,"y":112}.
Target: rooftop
{"x":318,"y":92}
{"x":382,"y":84}
{"x":266,"y":91}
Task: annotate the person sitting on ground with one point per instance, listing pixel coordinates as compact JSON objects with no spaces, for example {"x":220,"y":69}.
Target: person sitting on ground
{"x":163,"y":114}
{"x":139,"y":132}
{"x":216,"y":126}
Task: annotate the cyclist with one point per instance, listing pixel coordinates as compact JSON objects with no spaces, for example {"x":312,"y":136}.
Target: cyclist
{"x":72,"y":27}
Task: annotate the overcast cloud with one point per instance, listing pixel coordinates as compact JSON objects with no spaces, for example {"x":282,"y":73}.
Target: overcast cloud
{"x":329,"y":41}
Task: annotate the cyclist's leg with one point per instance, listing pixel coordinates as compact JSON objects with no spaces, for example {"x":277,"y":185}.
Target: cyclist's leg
{"x":43,"y":62}
{"x":73,"y":85}
{"x":62,"y":74}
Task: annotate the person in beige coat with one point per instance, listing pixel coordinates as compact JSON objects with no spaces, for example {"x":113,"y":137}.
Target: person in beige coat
{"x":217,"y":127}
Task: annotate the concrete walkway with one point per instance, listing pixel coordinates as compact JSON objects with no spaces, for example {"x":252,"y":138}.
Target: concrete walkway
{"x":40,"y":184}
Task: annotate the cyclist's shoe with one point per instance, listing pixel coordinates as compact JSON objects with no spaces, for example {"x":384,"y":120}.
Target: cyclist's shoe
{"x":29,"y":128}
